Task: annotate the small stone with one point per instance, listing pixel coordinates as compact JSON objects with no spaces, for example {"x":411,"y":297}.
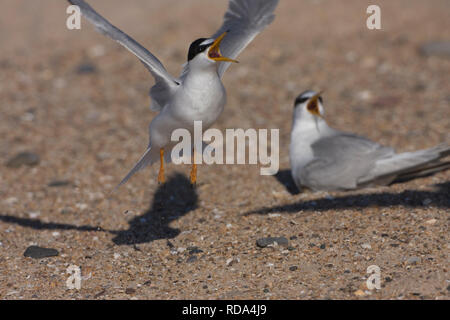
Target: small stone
{"x":366,"y":246}
{"x":441,"y":49}
{"x":194,"y":250}
{"x":59,"y":183}
{"x":365,"y":95}
{"x":414,"y":260}
{"x":97,"y":51}
{"x":81,"y":206}
{"x":86,"y":68}
{"x":322,"y":246}
{"x":274,"y":215}
{"x":40,"y":252}
{"x":427,"y":202}
{"x":130,"y":291}
{"x":191,"y":259}
{"x":170,"y":244}
{"x":431,"y":221}
{"x":232,"y":261}
{"x":65,"y":210}
{"x":265,"y":242}
{"x":99,"y":294}
{"x":34,"y":214}
{"x":23,"y":159}
{"x":293,"y":268}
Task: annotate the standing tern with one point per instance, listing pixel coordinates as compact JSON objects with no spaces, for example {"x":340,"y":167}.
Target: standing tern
{"x":198,"y":94}
{"x":325,"y":159}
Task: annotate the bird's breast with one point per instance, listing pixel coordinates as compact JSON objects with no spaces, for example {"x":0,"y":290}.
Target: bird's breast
{"x":201,"y":98}
{"x":301,"y":152}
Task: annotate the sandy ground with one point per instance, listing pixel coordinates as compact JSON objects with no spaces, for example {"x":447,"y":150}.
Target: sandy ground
{"x":79,"y":102}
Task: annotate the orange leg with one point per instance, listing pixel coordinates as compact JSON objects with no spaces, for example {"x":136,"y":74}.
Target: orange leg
{"x":194,"y":169}
{"x":161,"y":178}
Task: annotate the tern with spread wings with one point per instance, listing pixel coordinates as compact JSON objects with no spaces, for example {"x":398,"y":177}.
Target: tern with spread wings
{"x":325,"y":159}
{"x":198,"y":94}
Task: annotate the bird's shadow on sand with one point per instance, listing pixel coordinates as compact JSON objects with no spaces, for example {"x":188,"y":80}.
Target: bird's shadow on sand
{"x":438,"y":198}
{"x":285,"y":178}
{"x":172,"y":200}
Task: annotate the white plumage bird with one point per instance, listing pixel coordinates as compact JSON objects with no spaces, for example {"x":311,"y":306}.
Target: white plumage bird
{"x":198,"y":94}
{"x":326,"y":159}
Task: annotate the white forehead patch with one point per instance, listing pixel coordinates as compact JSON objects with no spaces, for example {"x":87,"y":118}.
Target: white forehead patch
{"x":206,"y":42}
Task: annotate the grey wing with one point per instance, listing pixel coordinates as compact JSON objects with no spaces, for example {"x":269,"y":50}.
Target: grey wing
{"x":243,"y":20}
{"x":341,"y":160}
{"x":164,"y":81}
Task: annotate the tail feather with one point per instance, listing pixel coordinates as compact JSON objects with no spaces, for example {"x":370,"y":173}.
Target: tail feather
{"x":424,"y":171}
{"x":409,"y":164}
{"x":145,"y":160}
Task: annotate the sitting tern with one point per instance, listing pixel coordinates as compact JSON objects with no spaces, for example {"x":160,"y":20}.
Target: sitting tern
{"x":325,"y":159}
{"x":198,"y":94}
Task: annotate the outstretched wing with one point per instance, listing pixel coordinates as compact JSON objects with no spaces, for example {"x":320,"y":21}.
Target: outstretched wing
{"x":243,"y":20}
{"x":164,"y":81}
{"x":341,"y":160}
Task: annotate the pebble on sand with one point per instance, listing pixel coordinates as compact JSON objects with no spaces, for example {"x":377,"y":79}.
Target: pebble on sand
{"x":436,"y":49}
{"x":232,"y":261}
{"x":265,"y":242}
{"x":130,"y":291}
{"x":414,"y":260}
{"x":59,"y":183}
{"x":86,"y":68}
{"x":23,"y":159}
{"x":191,"y":259}
{"x":40,"y":252}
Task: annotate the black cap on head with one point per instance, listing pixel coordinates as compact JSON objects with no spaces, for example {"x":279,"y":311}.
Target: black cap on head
{"x":304,"y":96}
{"x":197,"y":47}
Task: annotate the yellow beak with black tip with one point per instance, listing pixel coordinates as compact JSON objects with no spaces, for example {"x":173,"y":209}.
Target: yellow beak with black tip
{"x":313,"y":105}
{"x":214,"y":50}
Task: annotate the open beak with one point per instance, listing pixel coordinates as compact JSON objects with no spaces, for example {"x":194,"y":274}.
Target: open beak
{"x":214,"y":50}
{"x":313,"y":105}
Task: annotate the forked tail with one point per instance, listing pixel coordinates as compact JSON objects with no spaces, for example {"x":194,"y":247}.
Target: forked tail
{"x":145,"y":160}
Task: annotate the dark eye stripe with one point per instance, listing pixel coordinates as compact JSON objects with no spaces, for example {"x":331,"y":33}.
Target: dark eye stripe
{"x":300,"y":100}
